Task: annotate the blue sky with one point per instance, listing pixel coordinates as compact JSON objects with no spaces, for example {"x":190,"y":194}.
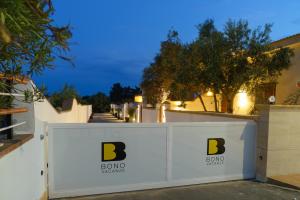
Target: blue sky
{"x":113,"y":40}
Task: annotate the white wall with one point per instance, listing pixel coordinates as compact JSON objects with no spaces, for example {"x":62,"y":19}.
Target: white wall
{"x":20,"y":170}
{"x":44,"y":111}
{"x":278,"y":140}
{"x":149,"y":115}
{"x":243,"y":104}
{"x":196,"y":105}
{"x":179,"y":116}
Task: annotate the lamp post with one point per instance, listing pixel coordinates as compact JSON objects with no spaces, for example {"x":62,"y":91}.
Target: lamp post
{"x":139,"y":100}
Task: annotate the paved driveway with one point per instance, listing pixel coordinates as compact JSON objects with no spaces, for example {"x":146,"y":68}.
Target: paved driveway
{"x":104,"y":118}
{"x":237,"y":190}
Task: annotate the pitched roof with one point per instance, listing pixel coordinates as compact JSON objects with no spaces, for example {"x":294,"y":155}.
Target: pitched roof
{"x":17,"y":78}
{"x":293,"y":39}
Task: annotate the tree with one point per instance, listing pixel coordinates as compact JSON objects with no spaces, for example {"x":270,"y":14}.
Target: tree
{"x":237,"y":58}
{"x":115,"y":93}
{"x":100,"y":102}
{"x":158,"y":78}
{"x":210,"y":46}
{"x":129,"y":93}
{"x":190,"y":78}
{"x":242,"y":58}
{"x":119,"y":94}
{"x":29,"y":40}
{"x":152,"y":84}
{"x":67,"y":92}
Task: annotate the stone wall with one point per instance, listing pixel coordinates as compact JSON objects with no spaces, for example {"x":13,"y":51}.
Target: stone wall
{"x":278,"y":141}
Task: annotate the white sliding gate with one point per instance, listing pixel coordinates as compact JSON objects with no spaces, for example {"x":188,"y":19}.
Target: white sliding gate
{"x":87,"y":159}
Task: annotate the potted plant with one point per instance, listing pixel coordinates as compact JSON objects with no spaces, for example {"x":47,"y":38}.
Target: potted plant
{"x":131,"y":113}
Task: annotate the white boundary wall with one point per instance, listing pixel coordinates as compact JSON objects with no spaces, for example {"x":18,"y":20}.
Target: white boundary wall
{"x":149,"y":115}
{"x":174,"y":116}
{"x":157,"y":155}
{"x":44,"y":111}
{"x":20,"y":170}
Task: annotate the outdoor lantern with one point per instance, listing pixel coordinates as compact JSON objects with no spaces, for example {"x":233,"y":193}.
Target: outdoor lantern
{"x":138,"y":99}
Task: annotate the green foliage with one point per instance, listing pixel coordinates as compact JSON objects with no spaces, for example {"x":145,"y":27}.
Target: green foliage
{"x":119,"y":94}
{"x":242,"y":58}
{"x":152,"y":84}
{"x":131,"y":111}
{"x":293,"y":99}
{"x":159,"y":76}
{"x":115,"y":93}
{"x":223,"y":61}
{"x":100,"y":102}
{"x":29,"y":40}
{"x":68,"y":92}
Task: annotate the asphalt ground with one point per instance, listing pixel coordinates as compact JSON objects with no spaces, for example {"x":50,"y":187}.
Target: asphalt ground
{"x":235,"y":190}
{"x":104,"y":118}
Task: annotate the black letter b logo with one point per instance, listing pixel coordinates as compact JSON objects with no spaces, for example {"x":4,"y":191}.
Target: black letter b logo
{"x":113,"y":151}
{"x":215,"y":146}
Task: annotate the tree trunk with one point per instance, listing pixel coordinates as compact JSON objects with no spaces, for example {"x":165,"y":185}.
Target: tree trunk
{"x":202,"y":102}
{"x":229,"y":102}
{"x":216,"y":103}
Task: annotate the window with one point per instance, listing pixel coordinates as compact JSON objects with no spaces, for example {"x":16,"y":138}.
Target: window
{"x":263,"y":93}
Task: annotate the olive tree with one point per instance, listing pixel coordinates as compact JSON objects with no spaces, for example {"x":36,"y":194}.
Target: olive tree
{"x":240,"y":58}
{"x":29,"y":40}
{"x":158,"y":78}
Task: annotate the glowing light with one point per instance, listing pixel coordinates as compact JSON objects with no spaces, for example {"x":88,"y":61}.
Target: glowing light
{"x":138,"y":116}
{"x":209,"y":93}
{"x":177,"y":103}
{"x":138,"y":99}
{"x":163,"y":117}
{"x":250,"y":60}
{"x":243,"y":99}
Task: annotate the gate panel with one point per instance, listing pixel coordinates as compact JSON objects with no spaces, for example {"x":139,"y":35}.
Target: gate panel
{"x":213,"y":152}
{"x":86,"y":159}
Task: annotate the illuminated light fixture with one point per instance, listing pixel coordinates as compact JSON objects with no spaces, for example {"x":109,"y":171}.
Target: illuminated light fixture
{"x":243,"y":99}
{"x":209,"y":93}
{"x":138,"y":99}
{"x":177,"y":103}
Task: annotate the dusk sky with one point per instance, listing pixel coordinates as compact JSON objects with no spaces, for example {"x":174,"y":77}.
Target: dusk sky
{"x":113,"y":40}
